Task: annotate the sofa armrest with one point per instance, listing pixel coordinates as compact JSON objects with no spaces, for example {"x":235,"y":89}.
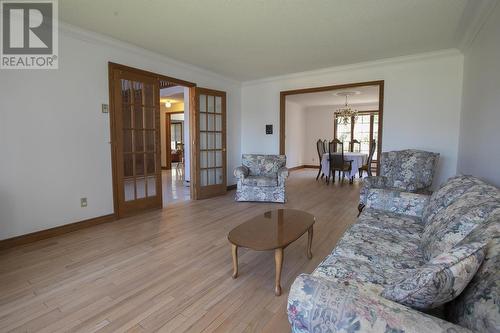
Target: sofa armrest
{"x":369,"y":183}
{"x":282,"y":176}
{"x":241,"y":172}
{"x":396,"y":201}
{"x":319,"y":305}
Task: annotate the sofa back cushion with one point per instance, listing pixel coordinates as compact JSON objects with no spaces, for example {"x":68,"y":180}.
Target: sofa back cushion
{"x":478,"y":306}
{"x":456,"y":209}
{"x":263,"y":165}
{"x":440,"y":280}
{"x":410,"y":170}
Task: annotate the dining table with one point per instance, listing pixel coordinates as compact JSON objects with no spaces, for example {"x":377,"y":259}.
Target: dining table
{"x":358,"y":160}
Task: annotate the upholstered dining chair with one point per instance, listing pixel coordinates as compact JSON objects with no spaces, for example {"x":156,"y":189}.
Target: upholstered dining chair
{"x":320,"y":148}
{"x":352,"y":147}
{"x":337,"y":160}
{"x":368,"y":166}
{"x":407,"y":170}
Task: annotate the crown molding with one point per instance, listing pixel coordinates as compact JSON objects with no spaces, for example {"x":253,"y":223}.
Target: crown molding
{"x":360,"y":65}
{"x":475,"y":15}
{"x":96,"y":38}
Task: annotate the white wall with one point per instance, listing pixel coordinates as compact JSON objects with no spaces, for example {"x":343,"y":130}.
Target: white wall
{"x":479,"y":152}
{"x":421,"y":106}
{"x":319,"y":125}
{"x":55,"y":140}
{"x":295,"y":134}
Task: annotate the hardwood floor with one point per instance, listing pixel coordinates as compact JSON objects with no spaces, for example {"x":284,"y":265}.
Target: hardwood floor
{"x":173,"y":187}
{"x":168,"y":270}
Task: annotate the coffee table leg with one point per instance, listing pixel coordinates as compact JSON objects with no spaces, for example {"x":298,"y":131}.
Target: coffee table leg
{"x":234,"y":251}
{"x":309,"y":242}
{"x":278,"y":260}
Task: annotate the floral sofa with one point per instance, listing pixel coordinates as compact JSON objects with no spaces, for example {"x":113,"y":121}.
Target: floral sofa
{"x":261,"y":178}
{"x":408,"y":170}
{"x":399,"y":238}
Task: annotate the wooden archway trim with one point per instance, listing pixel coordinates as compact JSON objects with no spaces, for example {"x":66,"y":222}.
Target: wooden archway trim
{"x":283,"y":95}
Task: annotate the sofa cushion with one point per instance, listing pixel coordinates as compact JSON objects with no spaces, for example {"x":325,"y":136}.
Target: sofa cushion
{"x":455,"y":222}
{"x":449,"y":220}
{"x":478,"y":306}
{"x":260,"y":181}
{"x":393,"y":223}
{"x":376,"y":249}
{"x":447,"y":193}
{"x":440,"y":280}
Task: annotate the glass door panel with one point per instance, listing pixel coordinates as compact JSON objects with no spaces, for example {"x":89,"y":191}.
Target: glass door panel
{"x":211,"y":151}
{"x":135,"y":141}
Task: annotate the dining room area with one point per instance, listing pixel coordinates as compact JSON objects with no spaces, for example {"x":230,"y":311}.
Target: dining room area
{"x":336,"y":130}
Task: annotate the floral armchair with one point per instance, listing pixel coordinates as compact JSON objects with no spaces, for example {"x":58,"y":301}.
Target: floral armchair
{"x":261,"y":178}
{"x":407,"y":170}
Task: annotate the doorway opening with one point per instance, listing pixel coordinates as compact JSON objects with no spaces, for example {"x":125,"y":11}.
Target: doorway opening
{"x":175,"y":149}
{"x":312,"y":131}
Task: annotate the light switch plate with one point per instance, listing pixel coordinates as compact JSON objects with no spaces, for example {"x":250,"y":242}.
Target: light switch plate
{"x":105,"y":108}
{"x":83,"y":202}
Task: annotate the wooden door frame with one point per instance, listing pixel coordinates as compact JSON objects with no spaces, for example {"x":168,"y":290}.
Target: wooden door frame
{"x":113,"y":131}
{"x":284,"y":94}
{"x":168,"y":153}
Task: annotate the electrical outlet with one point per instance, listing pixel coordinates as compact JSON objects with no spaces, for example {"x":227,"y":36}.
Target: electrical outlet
{"x":83,"y":202}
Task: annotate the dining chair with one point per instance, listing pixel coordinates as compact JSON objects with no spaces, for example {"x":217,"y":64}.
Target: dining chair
{"x":368,"y":166}
{"x":338,"y":161}
{"x":325,"y":146}
{"x":351,"y":146}
{"x":320,"y":147}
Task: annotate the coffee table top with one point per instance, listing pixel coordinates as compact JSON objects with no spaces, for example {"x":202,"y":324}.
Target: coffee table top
{"x":271,"y":230}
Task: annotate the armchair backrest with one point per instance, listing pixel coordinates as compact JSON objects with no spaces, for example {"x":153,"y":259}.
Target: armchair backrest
{"x":411,"y":170}
{"x":263,"y":165}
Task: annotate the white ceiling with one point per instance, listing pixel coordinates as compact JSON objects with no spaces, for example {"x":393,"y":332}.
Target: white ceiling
{"x":173,"y":94}
{"x":368,"y":96}
{"x":253,"y":39}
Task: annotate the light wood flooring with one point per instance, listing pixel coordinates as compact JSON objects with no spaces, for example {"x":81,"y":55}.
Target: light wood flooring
{"x":174,"y":189}
{"x":168,"y":270}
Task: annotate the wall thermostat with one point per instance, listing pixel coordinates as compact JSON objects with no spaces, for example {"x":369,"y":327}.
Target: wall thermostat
{"x":269,"y":129}
{"x":105,"y":108}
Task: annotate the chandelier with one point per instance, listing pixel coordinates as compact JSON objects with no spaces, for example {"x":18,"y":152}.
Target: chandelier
{"x":344,"y":114}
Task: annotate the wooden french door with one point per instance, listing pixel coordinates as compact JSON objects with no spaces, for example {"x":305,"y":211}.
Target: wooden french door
{"x":136,"y":141}
{"x":209,"y":153}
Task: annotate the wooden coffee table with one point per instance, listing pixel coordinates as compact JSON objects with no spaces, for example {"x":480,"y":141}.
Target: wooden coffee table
{"x":273,"y":230}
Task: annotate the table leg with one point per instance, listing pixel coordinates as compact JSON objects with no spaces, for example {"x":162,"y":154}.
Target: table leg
{"x":309,"y":242}
{"x":278,"y":260}
{"x":234,"y":251}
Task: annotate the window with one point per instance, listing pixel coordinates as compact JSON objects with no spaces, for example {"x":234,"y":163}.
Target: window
{"x":344,"y":134}
{"x":364,"y":129}
{"x":362,"y":132}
